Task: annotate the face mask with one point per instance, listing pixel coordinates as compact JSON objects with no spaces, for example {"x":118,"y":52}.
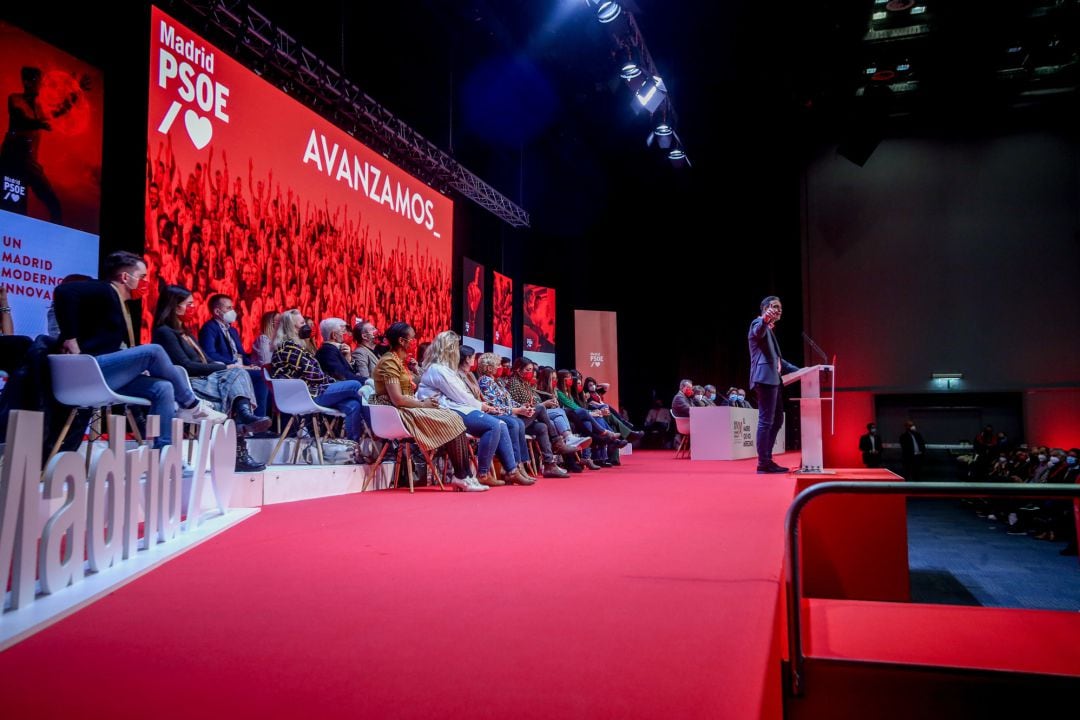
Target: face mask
{"x":912,"y":428}
{"x":712,"y":397}
{"x":579,"y":385}
{"x":1002,"y":459}
{"x":1070,"y":460}
{"x":734,"y":398}
{"x":1042,"y":458}
{"x":742,"y":398}
{"x":1055,"y":460}
{"x":230,"y":317}
{"x":697,"y":397}
{"x":688,"y":392}
{"x":528,"y":376}
{"x":873,"y":431}
{"x":139,"y":291}
{"x":304,"y":332}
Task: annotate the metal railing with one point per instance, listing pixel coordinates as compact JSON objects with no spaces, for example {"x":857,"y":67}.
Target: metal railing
{"x":791,"y":526}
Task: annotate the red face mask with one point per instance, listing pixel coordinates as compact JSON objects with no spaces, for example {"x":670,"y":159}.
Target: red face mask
{"x":569,"y":383}
{"x":579,"y":385}
{"x":528,"y":376}
{"x":688,"y":392}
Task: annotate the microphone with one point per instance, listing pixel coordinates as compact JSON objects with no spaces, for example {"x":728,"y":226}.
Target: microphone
{"x":815,"y":347}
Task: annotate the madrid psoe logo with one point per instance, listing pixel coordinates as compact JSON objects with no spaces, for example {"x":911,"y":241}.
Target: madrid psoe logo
{"x":596,"y":359}
{"x":188,"y":68}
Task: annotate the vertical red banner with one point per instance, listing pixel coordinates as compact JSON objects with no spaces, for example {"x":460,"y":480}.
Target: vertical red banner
{"x":502,"y":315}
{"x":596,"y":345}
{"x":538,"y":324}
{"x":473,"y":302}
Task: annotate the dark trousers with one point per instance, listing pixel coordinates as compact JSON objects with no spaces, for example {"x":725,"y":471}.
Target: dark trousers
{"x":770,"y":418}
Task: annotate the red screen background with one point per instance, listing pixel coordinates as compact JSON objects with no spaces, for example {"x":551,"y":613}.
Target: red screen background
{"x":70,"y":152}
{"x":538,"y":325}
{"x":502,"y":310}
{"x":267,"y":206}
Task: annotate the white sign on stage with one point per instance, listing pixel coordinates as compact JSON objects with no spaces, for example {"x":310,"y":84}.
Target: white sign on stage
{"x":726,"y":433}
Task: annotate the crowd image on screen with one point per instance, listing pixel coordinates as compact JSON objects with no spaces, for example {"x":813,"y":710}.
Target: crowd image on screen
{"x":215,"y":228}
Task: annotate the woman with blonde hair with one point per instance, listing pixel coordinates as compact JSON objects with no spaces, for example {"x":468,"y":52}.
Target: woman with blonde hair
{"x":440,"y":380}
{"x":510,"y":412}
{"x":292,"y":359}
{"x":431,"y":426}
{"x":262,"y":350}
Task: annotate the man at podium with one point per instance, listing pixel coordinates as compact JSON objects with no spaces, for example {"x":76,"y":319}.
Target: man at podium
{"x":766,"y":367}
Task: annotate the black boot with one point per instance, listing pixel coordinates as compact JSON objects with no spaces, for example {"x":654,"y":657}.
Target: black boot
{"x":247,"y":422}
{"x":244,"y":461}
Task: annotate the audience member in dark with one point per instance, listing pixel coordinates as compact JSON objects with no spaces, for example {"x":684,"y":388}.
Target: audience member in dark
{"x":912,"y":452}
{"x":870,"y":446}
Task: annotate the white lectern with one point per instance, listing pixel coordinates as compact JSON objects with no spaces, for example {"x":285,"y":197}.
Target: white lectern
{"x":810,"y":414}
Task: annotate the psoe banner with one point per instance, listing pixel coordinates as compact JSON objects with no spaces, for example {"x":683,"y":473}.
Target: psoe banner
{"x":597,"y":349}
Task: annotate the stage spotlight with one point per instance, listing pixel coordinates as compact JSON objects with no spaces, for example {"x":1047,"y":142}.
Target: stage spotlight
{"x":678,"y":158}
{"x":607,"y":11}
{"x":651,"y":94}
{"x":663,"y":135}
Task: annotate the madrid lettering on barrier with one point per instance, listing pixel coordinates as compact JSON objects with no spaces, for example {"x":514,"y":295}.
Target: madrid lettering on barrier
{"x":64,"y":525}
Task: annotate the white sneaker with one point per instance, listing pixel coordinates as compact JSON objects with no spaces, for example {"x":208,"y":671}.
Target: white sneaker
{"x":201,"y":411}
{"x":468,"y":484}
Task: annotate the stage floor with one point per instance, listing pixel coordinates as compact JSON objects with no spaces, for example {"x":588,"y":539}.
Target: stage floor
{"x":645,"y":591}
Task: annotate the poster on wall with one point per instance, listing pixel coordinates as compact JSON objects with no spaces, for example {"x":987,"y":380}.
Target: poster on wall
{"x":251,"y":194}
{"x":596,"y":347}
{"x":473,"y":301}
{"x":50,"y":167}
{"x":538,"y":324}
{"x":502,"y":316}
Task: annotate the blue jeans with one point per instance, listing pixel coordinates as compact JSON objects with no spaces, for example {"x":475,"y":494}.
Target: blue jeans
{"x":516,"y":426}
{"x":163,"y":387}
{"x":345,"y":397}
{"x":770,"y":417}
{"x":558,"y":423}
{"x":492,"y":436}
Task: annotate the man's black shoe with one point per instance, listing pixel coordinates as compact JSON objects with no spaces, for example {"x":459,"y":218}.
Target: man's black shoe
{"x":777,"y":468}
{"x":770,"y":469}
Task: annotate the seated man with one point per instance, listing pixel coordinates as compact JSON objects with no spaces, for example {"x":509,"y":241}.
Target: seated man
{"x":330,"y":356}
{"x":680,"y":404}
{"x":94,"y":318}
{"x":220,"y":341}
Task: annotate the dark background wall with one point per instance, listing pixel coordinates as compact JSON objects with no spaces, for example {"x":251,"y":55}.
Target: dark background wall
{"x":947,"y":255}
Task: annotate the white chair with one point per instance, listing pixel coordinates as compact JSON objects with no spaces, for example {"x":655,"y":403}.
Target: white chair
{"x":292,"y":398}
{"x":386,"y":423}
{"x":682,"y":425}
{"x":77,"y":382}
{"x":195,"y":424}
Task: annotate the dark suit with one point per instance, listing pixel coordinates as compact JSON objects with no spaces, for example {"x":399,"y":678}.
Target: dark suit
{"x":680,"y":405}
{"x":766,"y":363}
{"x":216,"y":346}
{"x":333,"y":363}
{"x":912,"y":451}
{"x":214,"y":343}
{"x":870,"y":446}
{"x":90,"y":312}
{"x":183,"y":354}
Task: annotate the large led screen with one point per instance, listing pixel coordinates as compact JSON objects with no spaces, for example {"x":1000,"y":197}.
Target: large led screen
{"x":251,"y":194}
{"x":473,"y":304}
{"x":538,"y":324}
{"x":50,"y":167}
{"x":502,"y":315}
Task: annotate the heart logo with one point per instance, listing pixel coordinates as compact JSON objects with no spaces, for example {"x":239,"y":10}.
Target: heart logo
{"x":199,"y":129}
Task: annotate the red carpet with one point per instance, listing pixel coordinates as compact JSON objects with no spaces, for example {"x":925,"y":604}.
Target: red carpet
{"x":645,"y":591}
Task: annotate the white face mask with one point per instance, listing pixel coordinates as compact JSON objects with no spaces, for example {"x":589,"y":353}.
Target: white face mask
{"x":1042,"y":458}
{"x":742,"y":398}
{"x":697,"y":397}
{"x":912,"y":428}
{"x":1055,"y":460}
{"x":229,"y":318}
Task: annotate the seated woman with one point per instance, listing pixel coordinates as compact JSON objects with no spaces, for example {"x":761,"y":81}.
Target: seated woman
{"x":293,"y":360}
{"x":567,"y":393}
{"x":432,"y":427}
{"x":516,"y":416}
{"x":522,"y":389}
{"x":262,"y":349}
{"x":594,"y":396}
{"x":440,"y":380}
{"x":227,"y":387}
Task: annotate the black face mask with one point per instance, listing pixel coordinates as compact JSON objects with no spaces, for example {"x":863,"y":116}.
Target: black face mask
{"x":304,"y":332}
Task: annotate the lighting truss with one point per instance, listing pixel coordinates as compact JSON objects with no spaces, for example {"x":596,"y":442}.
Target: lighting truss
{"x":279,"y":57}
